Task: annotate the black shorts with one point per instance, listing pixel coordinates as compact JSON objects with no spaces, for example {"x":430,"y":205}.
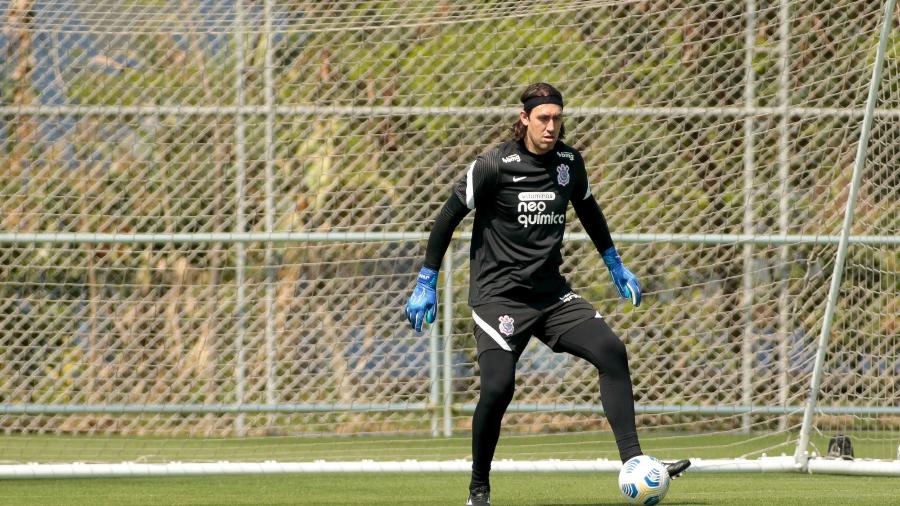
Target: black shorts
{"x":509,"y":325}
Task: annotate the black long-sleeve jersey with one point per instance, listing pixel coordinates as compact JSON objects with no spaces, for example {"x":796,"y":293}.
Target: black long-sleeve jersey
{"x":520,"y":201}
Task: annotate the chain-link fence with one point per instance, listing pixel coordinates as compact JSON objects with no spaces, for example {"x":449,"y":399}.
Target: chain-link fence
{"x":212,"y":211}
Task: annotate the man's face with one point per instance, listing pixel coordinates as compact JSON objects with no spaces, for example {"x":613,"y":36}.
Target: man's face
{"x":543,"y":126}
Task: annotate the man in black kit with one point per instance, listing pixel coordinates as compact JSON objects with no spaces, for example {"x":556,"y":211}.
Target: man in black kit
{"x":520,"y":191}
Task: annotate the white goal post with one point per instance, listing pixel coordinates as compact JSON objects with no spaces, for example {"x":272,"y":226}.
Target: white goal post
{"x":211,"y":214}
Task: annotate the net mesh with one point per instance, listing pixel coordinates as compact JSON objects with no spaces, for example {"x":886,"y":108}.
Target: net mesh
{"x":862,"y":361}
{"x":699,"y":121}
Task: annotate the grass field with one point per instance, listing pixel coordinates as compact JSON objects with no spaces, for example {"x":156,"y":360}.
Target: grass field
{"x":427,"y":488}
{"x":582,"y":445}
{"x":523,"y":489}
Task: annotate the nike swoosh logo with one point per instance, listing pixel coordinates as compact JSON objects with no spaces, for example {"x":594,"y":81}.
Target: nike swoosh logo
{"x":517,"y":179}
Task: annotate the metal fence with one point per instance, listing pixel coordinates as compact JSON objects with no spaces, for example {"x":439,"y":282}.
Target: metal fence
{"x":212,"y":212}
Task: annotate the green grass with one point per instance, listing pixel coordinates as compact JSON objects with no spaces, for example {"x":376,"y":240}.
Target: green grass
{"x":521,"y":489}
{"x":49,"y":448}
{"x":428,"y":488}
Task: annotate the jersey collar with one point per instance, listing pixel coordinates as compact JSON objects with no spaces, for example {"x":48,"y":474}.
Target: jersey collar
{"x":549,"y":156}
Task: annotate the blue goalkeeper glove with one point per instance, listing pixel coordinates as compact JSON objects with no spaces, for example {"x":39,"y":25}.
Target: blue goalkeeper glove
{"x":624,"y":279}
{"x":422,"y":305}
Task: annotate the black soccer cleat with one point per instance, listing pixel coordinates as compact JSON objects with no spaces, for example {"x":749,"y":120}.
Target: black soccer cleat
{"x":677,"y":468}
{"x":479,"y":496}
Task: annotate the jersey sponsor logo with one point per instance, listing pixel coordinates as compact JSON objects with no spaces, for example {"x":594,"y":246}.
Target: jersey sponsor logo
{"x":566,"y":154}
{"x":536,"y":196}
{"x":562,"y":174}
{"x":506,"y":325}
{"x":512,"y":158}
{"x":569,"y":296}
{"x":532,"y":209}
{"x":542,"y":219}
{"x":516,"y":179}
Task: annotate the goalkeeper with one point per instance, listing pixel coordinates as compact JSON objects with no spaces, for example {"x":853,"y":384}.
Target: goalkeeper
{"x":520,"y":191}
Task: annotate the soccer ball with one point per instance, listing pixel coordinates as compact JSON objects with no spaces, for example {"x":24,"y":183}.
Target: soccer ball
{"x":644,"y":480}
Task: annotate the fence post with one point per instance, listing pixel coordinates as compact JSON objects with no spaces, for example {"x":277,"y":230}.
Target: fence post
{"x":749,"y":171}
{"x":783,"y":334}
{"x":448,"y":343}
{"x":240,"y":178}
{"x":271,"y":271}
{"x":434,"y":373}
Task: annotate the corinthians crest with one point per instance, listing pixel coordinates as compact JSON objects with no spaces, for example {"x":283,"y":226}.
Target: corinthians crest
{"x":506,"y":325}
{"x":562,"y":174}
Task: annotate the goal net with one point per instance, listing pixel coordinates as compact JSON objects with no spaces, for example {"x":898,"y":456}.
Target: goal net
{"x":212,"y":213}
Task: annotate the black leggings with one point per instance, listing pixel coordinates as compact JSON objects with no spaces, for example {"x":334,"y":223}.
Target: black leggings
{"x":591,"y":340}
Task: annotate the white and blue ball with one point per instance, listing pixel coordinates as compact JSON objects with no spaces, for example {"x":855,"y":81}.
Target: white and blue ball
{"x":644,"y":480}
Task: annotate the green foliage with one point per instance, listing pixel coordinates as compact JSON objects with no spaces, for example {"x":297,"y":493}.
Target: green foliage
{"x":338,"y":172}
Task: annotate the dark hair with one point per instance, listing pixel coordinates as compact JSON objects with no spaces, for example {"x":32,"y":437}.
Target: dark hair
{"x":535,"y":90}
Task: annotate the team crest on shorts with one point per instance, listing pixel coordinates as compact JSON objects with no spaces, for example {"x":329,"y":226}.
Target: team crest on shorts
{"x":506,"y":325}
{"x":562,"y":174}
